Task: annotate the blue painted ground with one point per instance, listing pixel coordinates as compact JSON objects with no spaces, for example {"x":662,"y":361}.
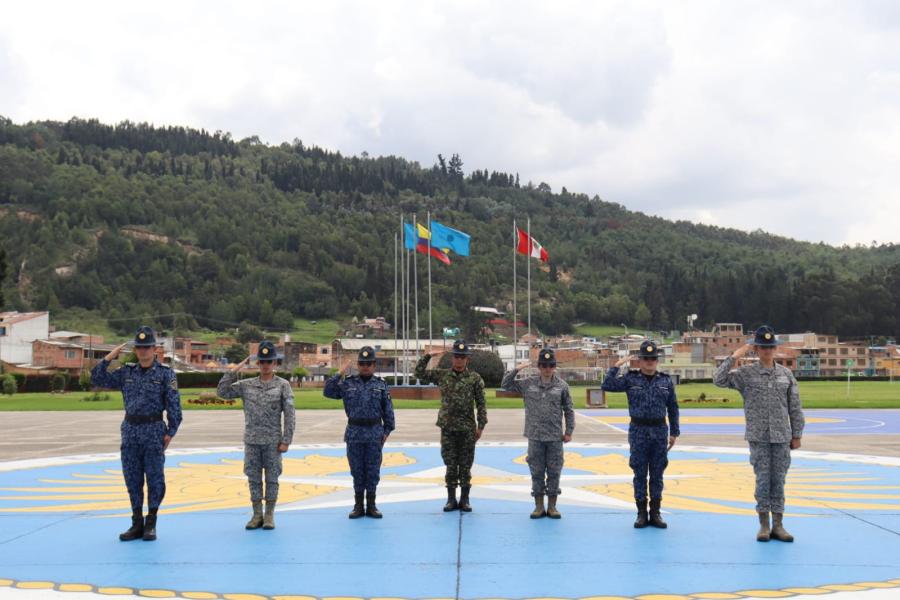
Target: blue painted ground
{"x":840,"y":421}
{"x":417,"y":551}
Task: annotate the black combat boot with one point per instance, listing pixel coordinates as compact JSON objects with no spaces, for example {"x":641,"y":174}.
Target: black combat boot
{"x":452,"y":504}
{"x":136,"y":531}
{"x":358,"y":509}
{"x":150,"y":528}
{"x":641,"y":521}
{"x":464,"y":498}
{"x":371,"y":509}
{"x":655,"y":518}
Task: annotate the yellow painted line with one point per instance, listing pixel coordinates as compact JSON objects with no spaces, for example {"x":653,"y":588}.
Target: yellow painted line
{"x":6,"y":582}
{"x":714,"y":596}
{"x":843,"y":588}
{"x":245,"y":597}
{"x":663,"y":597}
{"x":116,"y":591}
{"x":200,"y":595}
{"x":76,"y":587}
{"x":157,"y":593}
{"x":35,"y":585}
{"x":294,"y":598}
{"x":807,"y":591}
{"x":878,"y":584}
{"x":765,"y":594}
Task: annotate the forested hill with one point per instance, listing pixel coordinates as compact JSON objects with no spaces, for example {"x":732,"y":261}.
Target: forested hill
{"x":133,"y":219}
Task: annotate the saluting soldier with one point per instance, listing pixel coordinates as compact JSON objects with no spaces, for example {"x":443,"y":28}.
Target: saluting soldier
{"x":774,"y":417}
{"x":548,"y":403}
{"x":370,"y":420}
{"x":269,"y":422}
{"x":651,"y":396}
{"x":462,"y":396}
{"x":149,"y":389}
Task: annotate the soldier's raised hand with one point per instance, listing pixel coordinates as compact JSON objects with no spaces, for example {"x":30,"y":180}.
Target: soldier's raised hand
{"x":345,"y":368}
{"x":742,"y":351}
{"x":624,"y":360}
{"x":240,"y":365}
{"x":114,"y":354}
{"x":523,"y":364}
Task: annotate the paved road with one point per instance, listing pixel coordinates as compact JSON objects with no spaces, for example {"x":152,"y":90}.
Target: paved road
{"x":45,"y":434}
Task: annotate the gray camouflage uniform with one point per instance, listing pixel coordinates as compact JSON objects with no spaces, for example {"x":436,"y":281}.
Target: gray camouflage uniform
{"x":774,"y":415}
{"x":264,"y":404}
{"x":546,"y":405}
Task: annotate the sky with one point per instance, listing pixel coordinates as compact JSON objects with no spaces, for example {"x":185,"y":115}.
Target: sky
{"x":779,"y":116}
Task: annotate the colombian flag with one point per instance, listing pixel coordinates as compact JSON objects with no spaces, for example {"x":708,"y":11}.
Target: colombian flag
{"x":418,"y":241}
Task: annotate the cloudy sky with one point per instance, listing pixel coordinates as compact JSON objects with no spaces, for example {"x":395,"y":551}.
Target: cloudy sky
{"x":778,"y":116}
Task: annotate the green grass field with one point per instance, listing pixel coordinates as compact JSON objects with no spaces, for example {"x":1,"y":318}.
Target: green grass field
{"x":816,"y":394}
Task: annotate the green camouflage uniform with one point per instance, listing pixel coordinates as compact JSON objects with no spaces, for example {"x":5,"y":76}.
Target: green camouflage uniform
{"x":460,"y":393}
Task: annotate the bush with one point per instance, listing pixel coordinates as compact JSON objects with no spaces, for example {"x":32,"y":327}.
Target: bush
{"x":487,"y":364}
{"x":9,"y":386}
{"x":58,"y":383}
{"x":84,"y":380}
{"x":96,"y":397}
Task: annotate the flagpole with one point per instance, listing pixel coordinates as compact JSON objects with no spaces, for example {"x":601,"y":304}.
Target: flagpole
{"x":404,"y":271}
{"x":396,"y":305}
{"x":406,"y":338}
{"x":401,"y":348}
{"x":428,"y":258}
{"x":415,"y":256}
{"x":515,"y":314}
{"x":530,"y":246}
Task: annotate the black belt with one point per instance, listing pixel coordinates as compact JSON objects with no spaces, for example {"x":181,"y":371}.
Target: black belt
{"x":647,"y":422}
{"x":364,"y":422}
{"x":143,"y":419}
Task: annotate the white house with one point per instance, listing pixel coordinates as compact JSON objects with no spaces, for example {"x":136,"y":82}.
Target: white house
{"x":18,"y":331}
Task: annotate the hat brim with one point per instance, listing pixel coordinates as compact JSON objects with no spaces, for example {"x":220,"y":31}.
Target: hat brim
{"x":763,"y":344}
{"x":648,"y":355}
{"x":366,"y":362}
{"x":144,"y":344}
{"x":546,"y":363}
{"x":465,"y":353}
{"x":275,"y":357}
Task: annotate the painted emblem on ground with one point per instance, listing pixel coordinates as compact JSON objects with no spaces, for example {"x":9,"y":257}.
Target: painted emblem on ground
{"x":59,"y":519}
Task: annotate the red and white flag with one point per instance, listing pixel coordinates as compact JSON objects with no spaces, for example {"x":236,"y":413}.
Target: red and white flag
{"x":530,"y":246}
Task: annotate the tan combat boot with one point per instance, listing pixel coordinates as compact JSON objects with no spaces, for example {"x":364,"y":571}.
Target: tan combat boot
{"x":256,"y":521}
{"x":778,"y":531}
{"x":269,"y":518}
{"x":538,"y":511}
{"x":551,"y":508}
{"x":764,"y":530}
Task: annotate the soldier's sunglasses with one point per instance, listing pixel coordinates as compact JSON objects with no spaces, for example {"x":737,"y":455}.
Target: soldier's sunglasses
{"x":650,"y":358}
{"x":265,"y":362}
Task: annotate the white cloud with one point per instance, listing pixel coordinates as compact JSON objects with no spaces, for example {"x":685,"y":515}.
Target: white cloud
{"x":780,"y":116}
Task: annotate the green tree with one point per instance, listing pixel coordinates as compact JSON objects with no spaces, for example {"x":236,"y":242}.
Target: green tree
{"x":8,"y":385}
{"x":236,"y":353}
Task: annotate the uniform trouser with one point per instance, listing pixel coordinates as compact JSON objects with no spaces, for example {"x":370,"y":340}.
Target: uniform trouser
{"x":259,"y":458}
{"x":143,"y":458}
{"x":365,"y":465}
{"x":458,"y":452}
{"x":545,"y":459}
{"x":770,"y":465}
{"x":648,"y":455}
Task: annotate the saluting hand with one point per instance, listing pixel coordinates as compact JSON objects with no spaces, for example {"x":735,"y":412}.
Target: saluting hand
{"x":114,"y":354}
{"x":742,"y":351}
{"x":240,"y":365}
{"x":624,"y":360}
{"x":345,"y":368}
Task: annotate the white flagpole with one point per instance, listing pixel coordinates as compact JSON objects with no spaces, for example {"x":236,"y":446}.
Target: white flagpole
{"x":396,"y":305}
{"x":415,"y":255}
{"x":515,"y":314}
{"x":404,"y":270}
{"x":428,"y":258}
{"x":530,"y":246}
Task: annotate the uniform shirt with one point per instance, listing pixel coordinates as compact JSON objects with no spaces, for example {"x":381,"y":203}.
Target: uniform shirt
{"x":647,"y":398}
{"x":145,"y":392}
{"x":546,"y":404}
{"x":772,"y":407}
{"x":265,"y":402}
{"x":363,"y":400}
{"x":460,"y":392}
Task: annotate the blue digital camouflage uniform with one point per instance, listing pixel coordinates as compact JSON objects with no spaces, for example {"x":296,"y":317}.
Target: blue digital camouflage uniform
{"x":370,"y":418}
{"x":649,"y":400}
{"x":146,"y":393}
